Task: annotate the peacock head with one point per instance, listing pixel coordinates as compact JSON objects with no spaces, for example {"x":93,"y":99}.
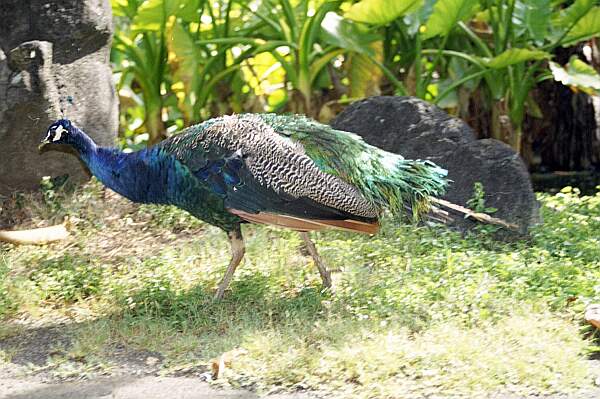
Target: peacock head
{"x":60,"y":132}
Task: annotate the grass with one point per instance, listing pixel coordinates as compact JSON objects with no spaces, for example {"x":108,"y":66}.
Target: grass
{"x":416,"y":310}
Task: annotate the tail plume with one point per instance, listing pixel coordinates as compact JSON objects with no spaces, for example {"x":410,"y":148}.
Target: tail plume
{"x":387,"y":180}
{"x":400,"y":184}
{"x":441,"y":212}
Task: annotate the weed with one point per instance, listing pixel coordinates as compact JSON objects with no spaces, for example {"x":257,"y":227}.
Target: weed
{"x":477,"y":201}
{"x":67,"y":279}
{"x":7,"y":304}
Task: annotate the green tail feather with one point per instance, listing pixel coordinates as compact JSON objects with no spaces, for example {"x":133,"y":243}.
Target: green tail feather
{"x":388,"y":180}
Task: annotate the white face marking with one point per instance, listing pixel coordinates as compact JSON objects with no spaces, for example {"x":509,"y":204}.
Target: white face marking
{"x":58,"y":133}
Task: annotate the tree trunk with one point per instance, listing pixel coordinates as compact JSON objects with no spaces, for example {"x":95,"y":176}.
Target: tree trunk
{"x":565,"y":138}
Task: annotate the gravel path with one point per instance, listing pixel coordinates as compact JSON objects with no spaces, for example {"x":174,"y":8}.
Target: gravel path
{"x":31,"y":373}
{"x":148,"y":387}
{"x":153,"y":387}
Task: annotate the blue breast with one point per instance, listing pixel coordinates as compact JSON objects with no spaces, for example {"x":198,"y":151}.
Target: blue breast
{"x":153,"y":176}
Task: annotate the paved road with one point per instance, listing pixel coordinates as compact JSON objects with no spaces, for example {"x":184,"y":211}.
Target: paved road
{"x":125,"y":388}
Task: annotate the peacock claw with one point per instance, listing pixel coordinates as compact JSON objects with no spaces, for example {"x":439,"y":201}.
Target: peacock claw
{"x":219,"y":295}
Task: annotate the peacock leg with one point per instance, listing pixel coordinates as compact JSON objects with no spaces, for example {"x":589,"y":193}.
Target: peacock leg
{"x":237,"y":253}
{"x":312,"y":250}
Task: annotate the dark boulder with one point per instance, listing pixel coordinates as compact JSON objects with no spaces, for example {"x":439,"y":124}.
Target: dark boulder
{"x":418,"y":130}
{"x":50,"y":50}
{"x":504,"y":177}
{"x":405,"y":125}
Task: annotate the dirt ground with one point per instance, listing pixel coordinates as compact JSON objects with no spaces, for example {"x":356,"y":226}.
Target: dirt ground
{"x":31,"y":373}
{"x":132,"y":387}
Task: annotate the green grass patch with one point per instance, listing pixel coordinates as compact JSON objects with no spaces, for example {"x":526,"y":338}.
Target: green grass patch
{"x":416,"y":310}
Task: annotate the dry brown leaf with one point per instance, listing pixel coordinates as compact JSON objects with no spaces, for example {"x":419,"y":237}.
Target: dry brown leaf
{"x":218,"y":365}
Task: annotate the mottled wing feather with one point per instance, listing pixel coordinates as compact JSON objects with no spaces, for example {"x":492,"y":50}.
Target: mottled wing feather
{"x":282,"y":165}
{"x":385,"y":179}
{"x":259,"y":172}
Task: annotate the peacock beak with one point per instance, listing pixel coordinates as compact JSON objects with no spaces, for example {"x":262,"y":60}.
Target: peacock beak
{"x":42,"y":145}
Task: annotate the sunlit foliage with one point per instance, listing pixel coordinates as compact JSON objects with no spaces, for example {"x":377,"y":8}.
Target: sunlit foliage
{"x":179,"y":62}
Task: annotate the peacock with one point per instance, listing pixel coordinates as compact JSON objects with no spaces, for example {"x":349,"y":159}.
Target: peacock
{"x":283,"y":170}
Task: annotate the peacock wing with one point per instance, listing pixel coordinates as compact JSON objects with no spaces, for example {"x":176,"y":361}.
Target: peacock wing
{"x":385,"y":179}
{"x":266,"y":178}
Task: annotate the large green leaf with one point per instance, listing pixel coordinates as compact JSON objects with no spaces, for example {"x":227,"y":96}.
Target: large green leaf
{"x":515,"y":56}
{"x":184,"y":58}
{"x":363,"y":74}
{"x":345,"y":34}
{"x":587,"y":27}
{"x":567,"y":17}
{"x":417,"y":18}
{"x":119,"y":7}
{"x":125,"y":8}
{"x":381,"y":12}
{"x":188,"y":10}
{"x":533,"y":17}
{"x":152,"y":14}
{"x":578,"y":75}
{"x":311,"y":29}
{"x":183,"y":53}
{"x":447,"y":14}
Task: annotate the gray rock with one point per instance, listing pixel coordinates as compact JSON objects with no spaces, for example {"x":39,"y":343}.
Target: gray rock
{"x":50,"y":50}
{"x":504,"y":177}
{"x":406,"y":125}
{"x":418,"y":130}
{"x":77,"y":28}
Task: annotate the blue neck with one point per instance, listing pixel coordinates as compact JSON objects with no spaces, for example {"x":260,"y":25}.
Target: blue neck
{"x":139,"y":176}
{"x":84,"y":145}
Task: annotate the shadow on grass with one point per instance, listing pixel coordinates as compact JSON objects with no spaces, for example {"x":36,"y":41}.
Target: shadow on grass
{"x":249,"y":301}
{"x":160,"y":319}
{"x":35,"y":346}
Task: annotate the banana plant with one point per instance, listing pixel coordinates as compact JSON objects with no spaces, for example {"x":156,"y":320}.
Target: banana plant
{"x":208,"y":55}
{"x":187,"y":60}
{"x":398,"y":22}
{"x":304,"y":38}
{"x":140,"y":56}
{"x":201,"y":60}
{"x":510,"y":43}
{"x":159,"y":54}
{"x":298,"y":47}
{"x":500,"y":45}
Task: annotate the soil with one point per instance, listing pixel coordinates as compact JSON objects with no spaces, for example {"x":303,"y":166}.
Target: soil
{"x":148,"y":387}
{"x":33,"y":373}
